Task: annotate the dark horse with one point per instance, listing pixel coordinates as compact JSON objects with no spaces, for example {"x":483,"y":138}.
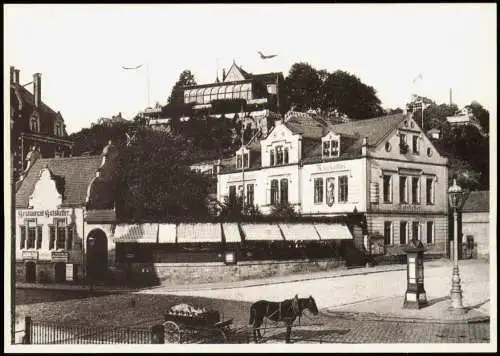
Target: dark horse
{"x":286,"y":311}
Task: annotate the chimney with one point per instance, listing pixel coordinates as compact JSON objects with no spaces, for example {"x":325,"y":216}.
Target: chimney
{"x":37,"y":88}
{"x":16,"y":76}
{"x":12,"y":71}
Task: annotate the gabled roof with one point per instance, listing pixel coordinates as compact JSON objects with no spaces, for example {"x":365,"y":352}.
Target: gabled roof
{"x":477,"y":202}
{"x":75,"y":174}
{"x":306,"y":126}
{"x":375,"y":130}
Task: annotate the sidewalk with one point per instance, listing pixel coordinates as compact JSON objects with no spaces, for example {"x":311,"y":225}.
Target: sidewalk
{"x":391,"y":309}
{"x":222,"y":285}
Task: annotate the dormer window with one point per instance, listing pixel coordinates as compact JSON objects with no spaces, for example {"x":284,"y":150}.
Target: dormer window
{"x":279,"y":155}
{"x":242,"y":160}
{"x":34,"y":124}
{"x":331,"y":146}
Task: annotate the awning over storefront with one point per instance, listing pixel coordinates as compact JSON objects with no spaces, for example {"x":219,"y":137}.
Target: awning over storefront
{"x":261,"y":232}
{"x":141,"y":233}
{"x":199,"y":232}
{"x":333,"y":231}
{"x":293,"y":232}
{"x":167,"y":233}
{"x":231,"y":232}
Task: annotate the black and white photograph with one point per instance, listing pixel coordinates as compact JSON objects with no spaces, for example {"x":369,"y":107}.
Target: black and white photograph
{"x":250,"y":177}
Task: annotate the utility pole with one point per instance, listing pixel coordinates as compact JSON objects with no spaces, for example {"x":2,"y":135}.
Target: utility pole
{"x":243,"y":159}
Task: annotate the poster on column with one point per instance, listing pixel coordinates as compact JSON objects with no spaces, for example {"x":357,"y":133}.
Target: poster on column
{"x":69,"y":271}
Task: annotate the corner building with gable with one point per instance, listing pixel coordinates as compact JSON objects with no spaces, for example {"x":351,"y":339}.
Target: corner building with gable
{"x":385,"y":168}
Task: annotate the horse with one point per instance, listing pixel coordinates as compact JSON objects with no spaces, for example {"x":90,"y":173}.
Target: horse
{"x":286,"y":311}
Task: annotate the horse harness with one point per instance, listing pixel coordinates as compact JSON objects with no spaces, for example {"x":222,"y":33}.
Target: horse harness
{"x":295,"y":309}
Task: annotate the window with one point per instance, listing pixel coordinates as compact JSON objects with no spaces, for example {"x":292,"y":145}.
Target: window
{"x":34,"y":125}
{"x":271,"y":157}
{"x":330,"y":191}
{"x":415,"y":145}
{"x":403,"y":232}
{"x":279,"y":155}
{"x":318,"y":190}
{"x":415,"y":190}
{"x":52,"y":241}
{"x":238,"y":161}
{"x":343,"y":189}
{"x":334,"y":148}
{"x":274,"y":192}
{"x":232,"y":193}
{"x":387,"y":188}
{"x":415,"y":230}
{"x":31,"y":234}
{"x":250,"y":194}
{"x":284,"y":191}
{"x":245,"y":160}
{"x":387,"y":232}
{"x":286,"y":155}
{"x":430,"y":232}
{"x":61,"y":234}
{"x":403,"y":190}
{"x":38,"y":237}
{"x":429,"y":191}
{"x":326,"y":148}
{"x":240,"y":191}
{"x":22,"y":237}
{"x":403,"y":147}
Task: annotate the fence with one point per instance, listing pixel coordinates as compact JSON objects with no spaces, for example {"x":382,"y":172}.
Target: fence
{"x":43,"y":332}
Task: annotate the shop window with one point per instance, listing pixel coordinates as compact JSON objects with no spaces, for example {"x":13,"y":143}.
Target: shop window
{"x":403,"y":232}
{"x":430,"y":232}
{"x":52,"y":236}
{"x":318,"y":190}
{"x":343,"y":189}
{"x":31,"y":234}
{"x":22,"y":238}
{"x":415,"y":190}
{"x":274,"y":192}
{"x":388,"y":232}
{"x":387,"y":188}
{"x":284,"y":191}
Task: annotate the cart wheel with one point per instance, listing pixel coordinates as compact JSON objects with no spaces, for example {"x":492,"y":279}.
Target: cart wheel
{"x":172,"y":333}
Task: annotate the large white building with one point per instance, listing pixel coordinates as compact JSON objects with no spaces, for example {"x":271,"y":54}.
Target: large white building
{"x":385,"y":168}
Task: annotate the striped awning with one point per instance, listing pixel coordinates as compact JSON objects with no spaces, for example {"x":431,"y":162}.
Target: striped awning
{"x":167,"y":233}
{"x":293,"y":232}
{"x":231,"y":232}
{"x":262,"y":232}
{"x":140,"y":233}
{"x":333,"y":231}
{"x":199,"y":232}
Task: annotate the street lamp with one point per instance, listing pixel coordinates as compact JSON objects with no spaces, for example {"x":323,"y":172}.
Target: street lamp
{"x":457,"y":198}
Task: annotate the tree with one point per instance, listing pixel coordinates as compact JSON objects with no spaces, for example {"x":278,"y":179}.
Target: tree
{"x":154,"y":181}
{"x":283,"y":210}
{"x":480,"y":114}
{"x":303,"y":86}
{"x":186,"y":78}
{"x":346,"y":94}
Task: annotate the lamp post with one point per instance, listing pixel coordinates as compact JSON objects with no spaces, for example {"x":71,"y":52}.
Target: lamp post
{"x":457,"y":198}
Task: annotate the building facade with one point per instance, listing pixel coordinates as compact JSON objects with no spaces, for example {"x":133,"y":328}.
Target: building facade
{"x":51,"y":229}
{"x":385,"y":168}
{"x":34,"y":125}
{"x":476,"y":225}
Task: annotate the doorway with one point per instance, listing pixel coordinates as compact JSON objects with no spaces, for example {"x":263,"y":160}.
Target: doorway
{"x":97,"y":255}
{"x":30,"y":272}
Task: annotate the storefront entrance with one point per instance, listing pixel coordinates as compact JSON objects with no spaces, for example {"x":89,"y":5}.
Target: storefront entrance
{"x":97,"y":255}
{"x":60,"y":272}
{"x":30,"y":272}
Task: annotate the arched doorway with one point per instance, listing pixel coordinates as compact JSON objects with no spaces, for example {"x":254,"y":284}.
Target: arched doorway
{"x":60,"y":272}
{"x":30,"y":272}
{"x":97,"y":254}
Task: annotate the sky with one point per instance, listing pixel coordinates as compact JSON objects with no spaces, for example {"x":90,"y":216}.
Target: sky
{"x":80,"y":49}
